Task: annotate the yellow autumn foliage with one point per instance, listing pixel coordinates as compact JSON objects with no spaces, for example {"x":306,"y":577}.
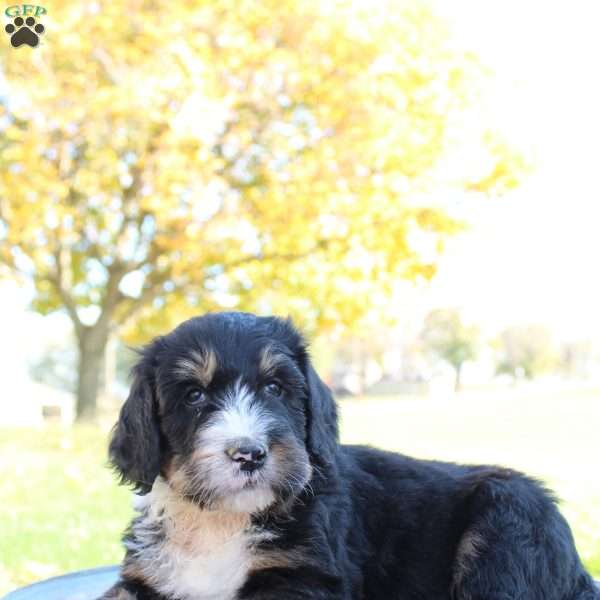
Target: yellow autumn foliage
{"x":162,"y":158}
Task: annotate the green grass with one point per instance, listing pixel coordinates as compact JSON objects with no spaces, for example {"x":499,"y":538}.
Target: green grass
{"x":62,"y":510}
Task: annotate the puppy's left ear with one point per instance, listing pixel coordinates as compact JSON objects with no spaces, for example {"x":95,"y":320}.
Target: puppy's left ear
{"x":134,"y":449}
{"x":322,"y":418}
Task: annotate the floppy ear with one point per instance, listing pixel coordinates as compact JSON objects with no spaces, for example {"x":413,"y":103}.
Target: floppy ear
{"x":134,"y":449}
{"x":322,"y":419}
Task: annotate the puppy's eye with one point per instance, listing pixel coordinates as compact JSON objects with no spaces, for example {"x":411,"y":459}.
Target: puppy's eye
{"x":195,"y":397}
{"x":273,"y":389}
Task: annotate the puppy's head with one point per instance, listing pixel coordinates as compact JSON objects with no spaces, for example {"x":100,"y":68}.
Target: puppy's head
{"x":229,"y":410}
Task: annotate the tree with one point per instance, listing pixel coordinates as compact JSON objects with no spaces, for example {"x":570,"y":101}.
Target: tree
{"x":525,"y":351}
{"x":576,"y":357}
{"x":446,"y":336}
{"x":55,"y":366}
{"x":159,"y":159}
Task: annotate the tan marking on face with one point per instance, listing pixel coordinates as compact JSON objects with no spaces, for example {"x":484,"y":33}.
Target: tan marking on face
{"x":281,"y":451}
{"x":200,"y":365}
{"x":285,"y":451}
{"x":269,"y":360}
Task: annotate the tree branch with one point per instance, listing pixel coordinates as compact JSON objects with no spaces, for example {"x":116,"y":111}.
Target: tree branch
{"x":58,"y":279}
{"x":136,"y":304}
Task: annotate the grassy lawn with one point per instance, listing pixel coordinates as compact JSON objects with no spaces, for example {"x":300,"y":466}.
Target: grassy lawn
{"x":61,"y":508}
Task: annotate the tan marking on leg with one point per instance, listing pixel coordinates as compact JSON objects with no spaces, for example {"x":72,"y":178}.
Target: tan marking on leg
{"x":271,"y":559}
{"x":469,"y":548}
{"x":132,"y":570}
{"x":117,"y":593}
{"x":200,"y":365}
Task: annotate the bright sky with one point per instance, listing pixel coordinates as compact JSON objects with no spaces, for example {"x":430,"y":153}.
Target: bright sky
{"x":533,"y":256}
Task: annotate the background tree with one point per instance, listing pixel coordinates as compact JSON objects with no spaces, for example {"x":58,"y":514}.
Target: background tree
{"x":525,"y":351}
{"x":576,"y":357}
{"x":163,"y":158}
{"x":55,"y":365}
{"x":446,"y":337}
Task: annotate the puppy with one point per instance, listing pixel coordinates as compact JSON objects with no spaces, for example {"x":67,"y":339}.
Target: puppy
{"x":231,"y":441}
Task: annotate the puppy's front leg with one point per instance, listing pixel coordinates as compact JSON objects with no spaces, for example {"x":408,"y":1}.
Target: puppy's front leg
{"x":304,"y":583}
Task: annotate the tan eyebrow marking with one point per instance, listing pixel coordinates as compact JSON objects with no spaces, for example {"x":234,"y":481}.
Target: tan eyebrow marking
{"x":200,"y":364}
{"x":270,"y":358}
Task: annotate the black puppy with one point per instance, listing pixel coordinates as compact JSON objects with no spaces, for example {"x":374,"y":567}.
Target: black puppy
{"x":231,"y":440}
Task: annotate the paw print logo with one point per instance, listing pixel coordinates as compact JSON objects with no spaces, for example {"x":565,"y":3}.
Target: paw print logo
{"x":24,"y":31}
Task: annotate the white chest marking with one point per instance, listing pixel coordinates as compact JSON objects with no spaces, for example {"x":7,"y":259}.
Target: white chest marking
{"x":190,"y":554}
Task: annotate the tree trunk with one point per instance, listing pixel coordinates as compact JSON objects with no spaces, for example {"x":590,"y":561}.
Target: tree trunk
{"x":457,"y":378}
{"x":92,"y":348}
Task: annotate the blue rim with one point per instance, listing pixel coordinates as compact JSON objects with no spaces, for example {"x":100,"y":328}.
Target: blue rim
{"x":97,"y":572}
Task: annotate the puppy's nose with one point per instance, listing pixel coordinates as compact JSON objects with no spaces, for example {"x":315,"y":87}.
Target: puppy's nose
{"x":249,"y":454}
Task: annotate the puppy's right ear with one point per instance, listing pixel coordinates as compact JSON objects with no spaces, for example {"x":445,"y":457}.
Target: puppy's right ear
{"x":134,"y":449}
